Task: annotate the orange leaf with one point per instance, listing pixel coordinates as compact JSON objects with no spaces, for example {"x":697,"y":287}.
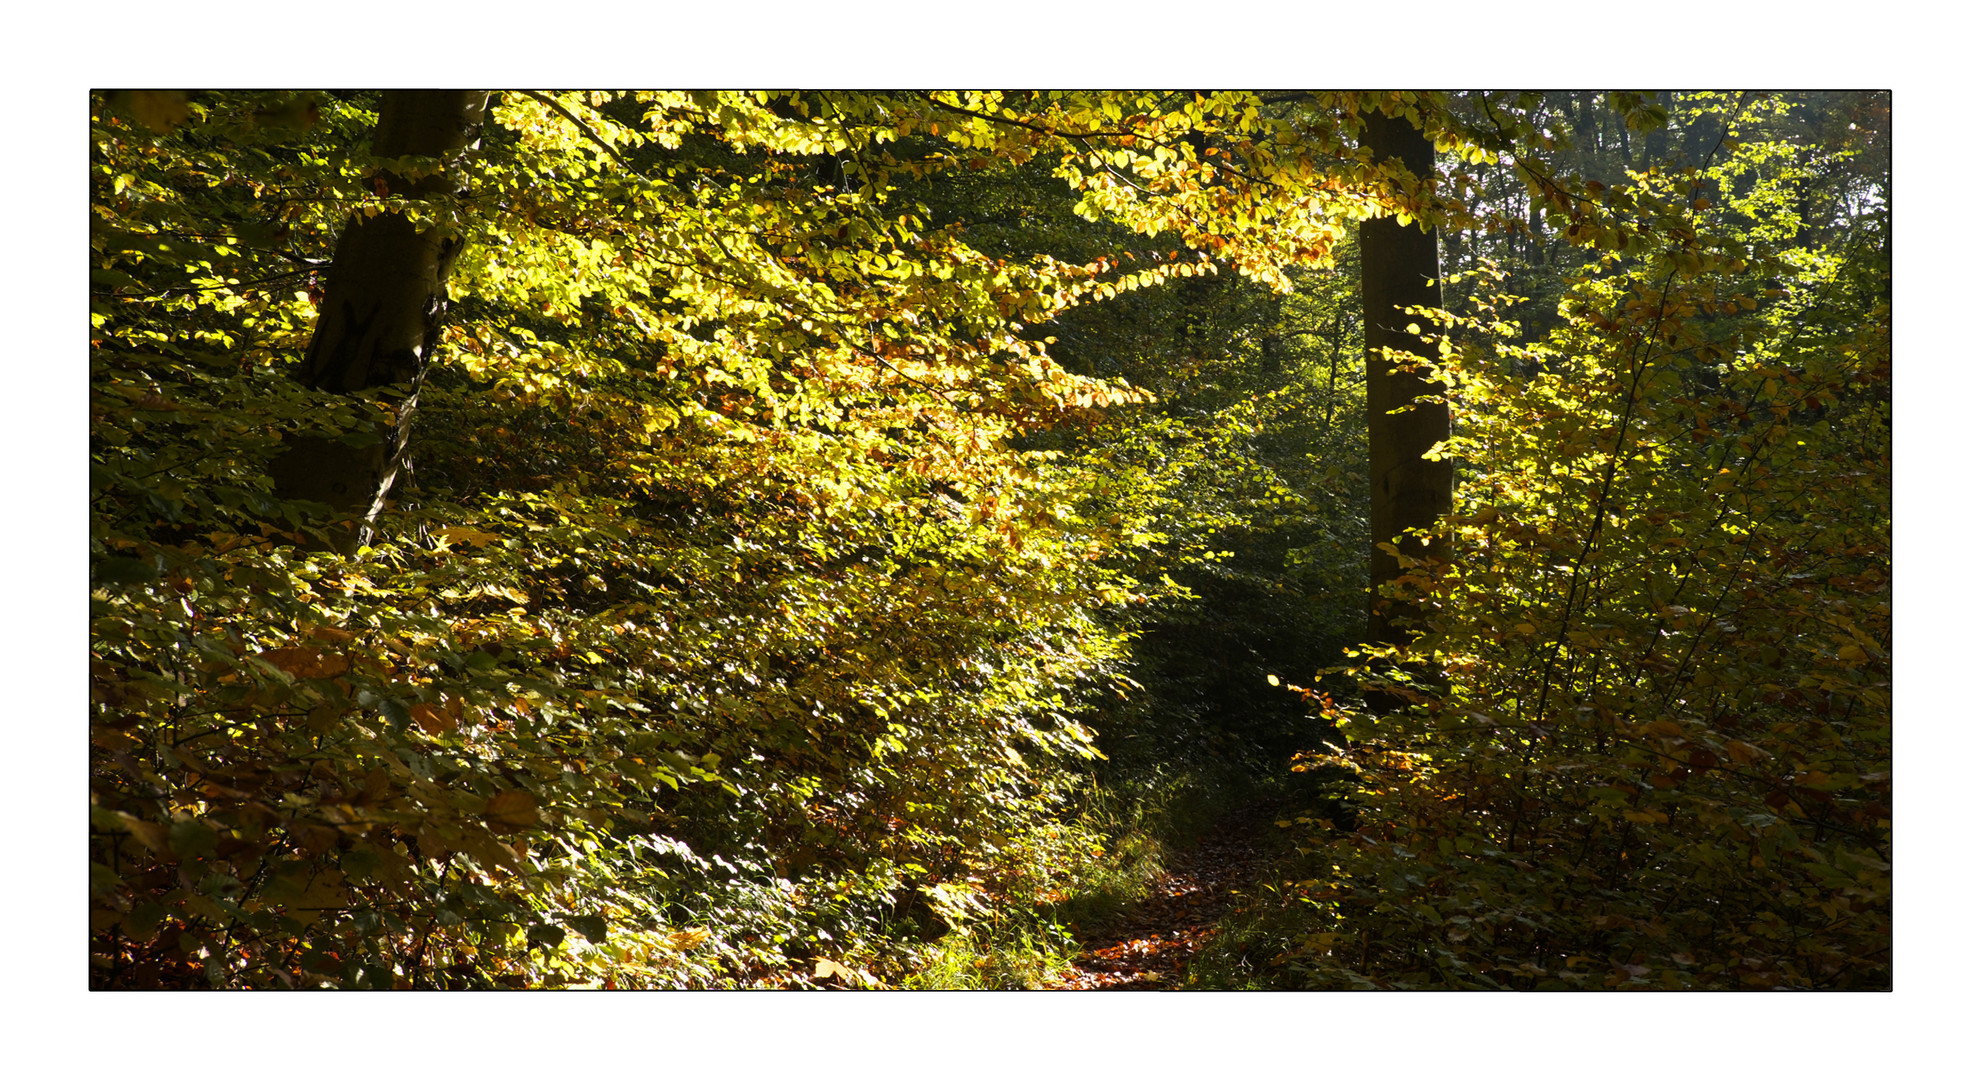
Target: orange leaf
{"x":435,"y":720}
{"x":1746,"y":753}
{"x":306,"y":663}
{"x":515,"y":808}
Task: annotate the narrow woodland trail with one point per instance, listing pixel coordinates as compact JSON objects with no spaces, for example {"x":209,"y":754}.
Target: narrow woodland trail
{"x":1149,"y":947}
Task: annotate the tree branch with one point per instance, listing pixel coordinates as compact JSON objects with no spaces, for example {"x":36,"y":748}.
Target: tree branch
{"x":583,"y":129}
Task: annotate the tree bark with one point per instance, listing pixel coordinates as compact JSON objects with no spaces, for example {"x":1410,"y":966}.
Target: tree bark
{"x":1399,"y":270}
{"x":383,"y":307}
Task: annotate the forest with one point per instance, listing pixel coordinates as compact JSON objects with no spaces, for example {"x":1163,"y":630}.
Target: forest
{"x":1210,"y":540}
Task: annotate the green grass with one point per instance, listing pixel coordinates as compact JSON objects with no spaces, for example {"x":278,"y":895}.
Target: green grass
{"x":1017,"y":952}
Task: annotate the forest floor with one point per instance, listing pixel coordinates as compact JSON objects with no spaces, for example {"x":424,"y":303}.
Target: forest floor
{"x":1150,"y":945}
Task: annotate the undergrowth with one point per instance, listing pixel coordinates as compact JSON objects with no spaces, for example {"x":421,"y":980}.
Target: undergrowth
{"x":1082,"y":872}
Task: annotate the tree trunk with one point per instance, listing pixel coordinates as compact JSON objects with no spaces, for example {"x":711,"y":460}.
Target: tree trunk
{"x":382,"y":309}
{"x":1399,"y":270}
{"x":1657,"y":144}
{"x":1334,"y":362}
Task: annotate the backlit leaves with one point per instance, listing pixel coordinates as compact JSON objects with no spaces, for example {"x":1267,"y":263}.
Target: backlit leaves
{"x":720,"y":569}
{"x":1664,"y":632}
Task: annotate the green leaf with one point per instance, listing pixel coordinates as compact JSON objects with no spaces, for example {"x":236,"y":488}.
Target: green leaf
{"x":124,"y":571}
{"x":192,"y":839}
{"x":360,"y":864}
{"x":395,"y":711}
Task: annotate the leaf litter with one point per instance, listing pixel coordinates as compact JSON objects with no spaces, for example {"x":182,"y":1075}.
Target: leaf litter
{"x":1152,"y":945}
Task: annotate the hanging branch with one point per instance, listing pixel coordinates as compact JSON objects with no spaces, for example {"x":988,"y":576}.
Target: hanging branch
{"x":583,"y":129}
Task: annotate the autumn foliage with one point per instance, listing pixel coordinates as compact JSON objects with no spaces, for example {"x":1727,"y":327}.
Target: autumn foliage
{"x":769,"y":576}
{"x":1657,"y":748}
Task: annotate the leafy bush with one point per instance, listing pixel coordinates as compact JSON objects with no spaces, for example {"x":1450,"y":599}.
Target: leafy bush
{"x":1656,"y":747}
{"x":683,"y":657}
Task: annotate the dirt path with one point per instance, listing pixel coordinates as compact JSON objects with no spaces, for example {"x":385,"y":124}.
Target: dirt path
{"x":1150,"y":946}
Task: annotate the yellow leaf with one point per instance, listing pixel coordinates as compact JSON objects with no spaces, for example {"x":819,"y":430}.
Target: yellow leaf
{"x":827,"y":969}
{"x":462,"y":534}
{"x":832,"y":969}
{"x":687,"y":939}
